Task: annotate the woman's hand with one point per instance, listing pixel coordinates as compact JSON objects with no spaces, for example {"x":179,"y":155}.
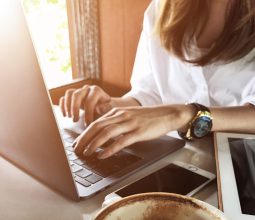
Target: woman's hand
{"x":129,"y":125}
{"x":92,"y":99}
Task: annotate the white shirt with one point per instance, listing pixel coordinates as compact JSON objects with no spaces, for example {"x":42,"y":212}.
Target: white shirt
{"x":160,"y":78}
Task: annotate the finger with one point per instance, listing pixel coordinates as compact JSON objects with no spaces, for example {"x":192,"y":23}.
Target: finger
{"x":62,"y":106}
{"x":68,"y":98}
{"x":90,"y":104}
{"x":103,"y":108}
{"x":120,"y":143}
{"x":107,"y":134}
{"x":77,"y":98}
{"x":93,"y":129}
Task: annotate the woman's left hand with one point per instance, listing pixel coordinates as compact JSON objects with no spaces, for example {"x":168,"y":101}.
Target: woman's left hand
{"x":130,"y":125}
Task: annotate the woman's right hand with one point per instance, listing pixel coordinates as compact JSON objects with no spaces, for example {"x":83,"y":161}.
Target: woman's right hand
{"x":92,"y":99}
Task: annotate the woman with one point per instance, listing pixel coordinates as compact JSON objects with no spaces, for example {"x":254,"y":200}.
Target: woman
{"x":193,"y":51}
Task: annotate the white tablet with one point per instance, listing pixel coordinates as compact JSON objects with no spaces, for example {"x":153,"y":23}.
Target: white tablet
{"x":235,"y":156}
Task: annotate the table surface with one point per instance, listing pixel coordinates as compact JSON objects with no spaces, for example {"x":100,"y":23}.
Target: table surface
{"x":22,"y":197}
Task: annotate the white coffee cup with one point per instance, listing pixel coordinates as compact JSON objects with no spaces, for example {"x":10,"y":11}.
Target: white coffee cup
{"x":159,"y":206}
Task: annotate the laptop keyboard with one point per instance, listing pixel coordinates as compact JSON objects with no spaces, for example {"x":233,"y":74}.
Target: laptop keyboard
{"x":90,"y":170}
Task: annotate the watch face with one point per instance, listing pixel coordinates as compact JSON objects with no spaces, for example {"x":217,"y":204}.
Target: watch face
{"x":201,"y":126}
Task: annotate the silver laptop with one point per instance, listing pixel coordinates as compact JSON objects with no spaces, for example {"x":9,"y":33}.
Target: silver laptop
{"x":29,"y":135}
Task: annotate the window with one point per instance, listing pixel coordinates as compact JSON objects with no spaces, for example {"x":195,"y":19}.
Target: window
{"x":48,"y":24}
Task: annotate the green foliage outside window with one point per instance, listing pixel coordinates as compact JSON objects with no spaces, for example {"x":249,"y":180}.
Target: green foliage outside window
{"x":49,"y":25}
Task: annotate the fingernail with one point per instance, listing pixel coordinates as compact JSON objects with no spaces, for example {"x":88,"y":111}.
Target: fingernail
{"x":74,"y":144}
{"x":87,"y":153}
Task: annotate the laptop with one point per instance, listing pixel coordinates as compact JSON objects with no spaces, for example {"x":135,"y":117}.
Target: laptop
{"x":30,"y":137}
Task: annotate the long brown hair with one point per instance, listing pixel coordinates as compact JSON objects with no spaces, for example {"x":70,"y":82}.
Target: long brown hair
{"x":181,"y":20}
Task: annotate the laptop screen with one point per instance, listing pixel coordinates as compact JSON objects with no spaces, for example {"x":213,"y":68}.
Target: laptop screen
{"x":243,"y":158}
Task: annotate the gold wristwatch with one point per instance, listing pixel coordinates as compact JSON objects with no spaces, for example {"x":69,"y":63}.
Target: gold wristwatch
{"x":200,"y":125}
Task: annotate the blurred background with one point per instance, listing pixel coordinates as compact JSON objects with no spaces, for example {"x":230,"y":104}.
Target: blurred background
{"x":86,"y":42}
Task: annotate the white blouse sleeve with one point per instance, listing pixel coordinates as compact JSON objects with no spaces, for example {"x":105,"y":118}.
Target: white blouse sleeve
{"x":144,"y":88}
{"x":249,"y":100}
{"x":248,"y":94}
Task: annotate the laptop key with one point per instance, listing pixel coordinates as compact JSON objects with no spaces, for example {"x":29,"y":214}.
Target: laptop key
{"x":69,"y":140}
{"x":70,"y":149}
{"x":82,"y":181}
{"x":72,"y":157}
{"x":79,"y":162}
{"x":66,"y":133}
{"x":75,"y":168}
{"x":93,"y":178}
{"x":87,"y":166}
{"x":68,"y":153}
{"x":83,"y":173}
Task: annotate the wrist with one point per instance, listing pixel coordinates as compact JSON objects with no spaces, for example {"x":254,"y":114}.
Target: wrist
{"x":179,"y":117}
{"x":187,"y":113}
{"x":124,"y":101}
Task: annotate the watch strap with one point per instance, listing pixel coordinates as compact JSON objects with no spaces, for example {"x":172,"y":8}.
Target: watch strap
{"x":200,"y":107}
